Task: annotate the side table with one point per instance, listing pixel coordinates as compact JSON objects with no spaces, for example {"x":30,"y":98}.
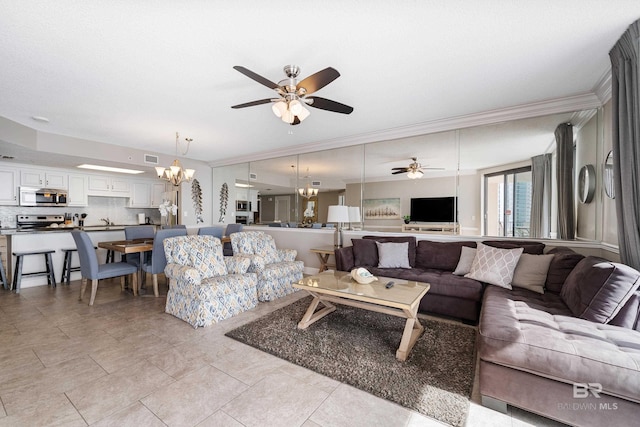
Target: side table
{"x":324,"y":252}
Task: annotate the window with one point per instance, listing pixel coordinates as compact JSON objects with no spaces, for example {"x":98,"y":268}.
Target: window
{"x":507,"y":203}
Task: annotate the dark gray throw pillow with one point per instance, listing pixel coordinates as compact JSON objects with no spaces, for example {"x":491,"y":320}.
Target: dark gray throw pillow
{"x":365,"y":253}
{"x":597,"y":289}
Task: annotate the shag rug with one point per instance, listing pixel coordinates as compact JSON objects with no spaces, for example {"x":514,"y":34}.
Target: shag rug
{"x":358,"y":347}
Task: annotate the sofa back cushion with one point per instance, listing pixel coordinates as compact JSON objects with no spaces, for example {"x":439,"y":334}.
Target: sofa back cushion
{"x":533,"y":248}
{"x":440,"y":255}
{"x":398,"y":239}
{"x":563,"y":262}
{"x":597,"y":289}
{"x":204,"y":253}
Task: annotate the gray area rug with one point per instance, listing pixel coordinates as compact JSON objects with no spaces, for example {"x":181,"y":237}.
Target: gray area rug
{"x":358,"y":347}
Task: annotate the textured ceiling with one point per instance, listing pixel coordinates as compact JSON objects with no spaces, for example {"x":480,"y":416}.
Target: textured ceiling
{"x":133,"y":73}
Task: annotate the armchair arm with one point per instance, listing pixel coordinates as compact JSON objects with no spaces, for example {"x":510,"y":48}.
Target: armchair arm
{"x":256,"y":262}
{"x":287,"y":254}
{"x":345,"y":260}
{"x":237,"y":264}
{"x":183,"y":274}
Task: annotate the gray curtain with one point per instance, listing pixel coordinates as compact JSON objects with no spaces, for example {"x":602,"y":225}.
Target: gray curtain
{"x":625,"y":93}
{"x":540,"y":225}
{"x":564,"y":175}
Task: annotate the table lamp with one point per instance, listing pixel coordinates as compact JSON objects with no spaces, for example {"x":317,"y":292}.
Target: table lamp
{"x":338,"y":214}
{"x":354,"y":217}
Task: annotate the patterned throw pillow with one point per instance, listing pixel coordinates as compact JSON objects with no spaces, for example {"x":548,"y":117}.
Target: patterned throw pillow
{"x":494,"y":266}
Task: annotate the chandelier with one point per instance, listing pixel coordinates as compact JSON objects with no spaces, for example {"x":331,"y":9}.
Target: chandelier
{"x":290,"y":108}
{"x":174,"y":173}
{"x":308,"y":191}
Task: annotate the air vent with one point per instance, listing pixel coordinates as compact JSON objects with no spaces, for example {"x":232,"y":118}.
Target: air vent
{"x":253,"y":176}
{"x":316,"y":183}
{"x":151,"y":159}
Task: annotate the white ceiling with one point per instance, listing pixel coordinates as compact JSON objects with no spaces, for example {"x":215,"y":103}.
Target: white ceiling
{"x":133,"y":73}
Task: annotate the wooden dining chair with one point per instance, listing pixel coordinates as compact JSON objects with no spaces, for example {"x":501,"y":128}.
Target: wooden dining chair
{"x":92,"y":270}
{"x":156,"y":264}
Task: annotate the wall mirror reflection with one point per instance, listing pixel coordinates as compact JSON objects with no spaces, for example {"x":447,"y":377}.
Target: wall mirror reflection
{"x":609,"y":189}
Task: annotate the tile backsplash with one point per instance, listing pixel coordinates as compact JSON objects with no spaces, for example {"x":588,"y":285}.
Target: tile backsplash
{"x":114,"y":208}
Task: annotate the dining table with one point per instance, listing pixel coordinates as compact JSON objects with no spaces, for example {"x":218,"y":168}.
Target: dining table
{"x":132,"y":246}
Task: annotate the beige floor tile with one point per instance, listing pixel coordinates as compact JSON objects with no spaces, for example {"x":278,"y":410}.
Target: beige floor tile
{"x":350,"y":406}
{"x":107,"y":395}
{"x":522,"y":418}
{"x":134,"y":415}
{"x":480,"y":416}
{"x":310,"y":377}
{"x":177,"y":363}
{"x":194,"y":397}
{"x":220,"y":419}
{"x":55,"y":410}
{"x":53,"y":354}
{"x":277,"y":400}
{"x":248,"y":364}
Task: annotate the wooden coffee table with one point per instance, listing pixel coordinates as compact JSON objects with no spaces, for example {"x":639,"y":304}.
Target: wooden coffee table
{"x":401,"y":300}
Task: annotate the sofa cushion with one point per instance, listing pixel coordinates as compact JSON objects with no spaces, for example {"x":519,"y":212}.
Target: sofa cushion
{"x":494,"y":266}
{"x":531,"y":272}
{"x":538,"y":334}
{"x":467,"y":255}
{"x":562,"y":264}
{"x":393,"y":255}
{"x":597,"y":289}
{"x":440,"y":255}
{"x":534,"y":248}
{"x":399,"y":239}
{"x":365,"y":252}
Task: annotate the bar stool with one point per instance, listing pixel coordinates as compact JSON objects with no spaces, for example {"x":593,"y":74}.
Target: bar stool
{"x":3,"y":276}
{"x":17,"y":278}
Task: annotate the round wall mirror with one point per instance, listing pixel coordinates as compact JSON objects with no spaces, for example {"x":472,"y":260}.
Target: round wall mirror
{"x":607,"y":176}
{"x":586,"y":183}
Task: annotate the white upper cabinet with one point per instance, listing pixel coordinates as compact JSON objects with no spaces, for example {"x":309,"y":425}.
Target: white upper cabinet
{"x":77,"y":195}
{"x":44,"y":179}
{"x":140,"y":195}
{"x":9,"y":187}
{"x":101,"y":185}
{"x":157,"y":190}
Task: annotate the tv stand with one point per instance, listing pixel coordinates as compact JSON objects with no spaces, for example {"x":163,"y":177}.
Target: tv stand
{"x":432,"y":228}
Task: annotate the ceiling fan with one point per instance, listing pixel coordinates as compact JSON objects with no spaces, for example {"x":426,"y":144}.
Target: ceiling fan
{"x":414,"y":170}
{"x":293,"y":96}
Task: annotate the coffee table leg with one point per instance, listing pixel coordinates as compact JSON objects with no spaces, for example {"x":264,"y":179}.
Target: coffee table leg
{"x":412,"y":331}
{"x":312,"y":316}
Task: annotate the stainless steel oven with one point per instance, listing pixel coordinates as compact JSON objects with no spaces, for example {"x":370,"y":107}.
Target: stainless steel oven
{"x":30,"y":196}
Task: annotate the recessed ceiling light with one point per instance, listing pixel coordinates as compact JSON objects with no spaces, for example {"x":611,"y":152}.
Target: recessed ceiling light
{"x":40,"y":119}
{"x":109,"y":169}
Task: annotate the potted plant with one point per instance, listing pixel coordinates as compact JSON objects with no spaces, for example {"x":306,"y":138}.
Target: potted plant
{"x":406,"y":219}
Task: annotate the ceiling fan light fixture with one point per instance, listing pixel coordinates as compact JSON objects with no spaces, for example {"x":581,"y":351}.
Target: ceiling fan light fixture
{"x":288,"y":116}
{"x":415,"y":174}
{"x":295,"y":107}
{"x":279,"y":108}
{"x":304,"y":113}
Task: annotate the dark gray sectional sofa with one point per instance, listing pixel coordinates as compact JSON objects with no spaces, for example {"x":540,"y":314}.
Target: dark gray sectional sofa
{"x":571,"y":353}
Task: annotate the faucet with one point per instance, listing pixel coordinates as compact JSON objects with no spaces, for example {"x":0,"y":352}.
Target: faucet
{"x":106,"y":221}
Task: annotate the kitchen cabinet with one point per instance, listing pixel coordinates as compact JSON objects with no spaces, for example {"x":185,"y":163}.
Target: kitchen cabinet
{"x":77,"y":195}
{"x":43,"y":179}
{"x":157,"y":191}
{"x":9,"y":187}
{"x":140,"y":195}
{"x":100,"y":185}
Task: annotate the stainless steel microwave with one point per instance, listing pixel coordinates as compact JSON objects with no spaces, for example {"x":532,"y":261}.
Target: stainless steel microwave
{"x":42,"y":197}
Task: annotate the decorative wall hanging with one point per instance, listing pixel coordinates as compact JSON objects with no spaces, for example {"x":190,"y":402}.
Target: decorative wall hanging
{"x":224,"y":197}
{"x":381,"y":208}
{"x":196,"y":196}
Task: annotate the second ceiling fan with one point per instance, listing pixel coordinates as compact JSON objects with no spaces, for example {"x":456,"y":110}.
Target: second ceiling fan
{"x":414,"y":170}
{"x":293,"y":96}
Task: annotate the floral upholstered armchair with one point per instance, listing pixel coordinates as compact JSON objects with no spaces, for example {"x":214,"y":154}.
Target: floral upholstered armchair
{"x":205,"y":286}
{"x":277,"y":269}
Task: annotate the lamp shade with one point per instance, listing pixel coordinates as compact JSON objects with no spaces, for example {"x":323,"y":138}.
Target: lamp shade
{"x":338,"y":213}
{"x":354,"y":214}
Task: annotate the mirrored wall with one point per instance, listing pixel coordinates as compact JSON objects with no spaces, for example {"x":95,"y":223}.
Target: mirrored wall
{"x":476,"y":181}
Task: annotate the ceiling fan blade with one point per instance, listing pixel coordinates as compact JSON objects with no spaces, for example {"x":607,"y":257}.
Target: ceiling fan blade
{"x":296,"y":121}
{"x":397,"y":172}
{"x":319,"y":80}
{"x":252,"y":103}
{"x":329,"y":105}
{"x":402,"y":169}
{"x":256,"y":77}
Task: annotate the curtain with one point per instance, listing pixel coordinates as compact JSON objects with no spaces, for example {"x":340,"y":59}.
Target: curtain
{"x":540,"y":225}
{"x":564,"y":175}
{"x":625,"y":94}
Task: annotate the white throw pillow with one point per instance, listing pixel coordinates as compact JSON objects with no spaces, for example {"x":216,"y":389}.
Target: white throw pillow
{"x":393,"y":255}
{"x":494,"y":266}
{"x":466,"y":259}
{"x":531,"y":272}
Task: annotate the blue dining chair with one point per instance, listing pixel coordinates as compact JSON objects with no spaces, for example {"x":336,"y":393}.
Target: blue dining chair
{"x":137,"y":232}
{"x":167,"y":227}
{"x":90,"y":269}
{"x":211,"y":231}
{"x":156,"y":264}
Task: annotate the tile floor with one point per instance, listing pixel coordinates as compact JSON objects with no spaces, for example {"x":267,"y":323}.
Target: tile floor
{"x":124,"y":362}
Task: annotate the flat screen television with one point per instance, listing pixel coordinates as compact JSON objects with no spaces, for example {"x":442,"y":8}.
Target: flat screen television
{"x":434,"y":209}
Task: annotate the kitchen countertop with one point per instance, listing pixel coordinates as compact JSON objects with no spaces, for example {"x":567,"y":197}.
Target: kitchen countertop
{"x":87,"y":228}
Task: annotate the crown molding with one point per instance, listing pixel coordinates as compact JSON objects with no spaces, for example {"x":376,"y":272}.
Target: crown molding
{"x":602,"y":88}
{"x":559,"y":105}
